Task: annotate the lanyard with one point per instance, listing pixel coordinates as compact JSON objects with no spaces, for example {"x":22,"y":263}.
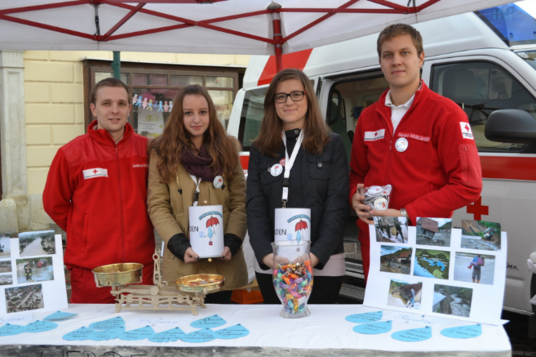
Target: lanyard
{"x":196,"y":195}
{"x":289,"y":162}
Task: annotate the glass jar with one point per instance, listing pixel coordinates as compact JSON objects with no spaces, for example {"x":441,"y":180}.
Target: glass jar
{"x":293,"y":276}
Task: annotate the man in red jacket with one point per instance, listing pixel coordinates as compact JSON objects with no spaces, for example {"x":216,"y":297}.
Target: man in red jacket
{"x":96,"y":191}
{"x":414,"y":139}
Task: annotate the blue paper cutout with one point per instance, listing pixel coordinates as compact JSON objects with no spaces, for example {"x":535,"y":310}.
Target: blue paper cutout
{"x":105,"y":335}
{"x":413,"y":335}
{"x":40,"y":326}
{"x":108,"y":324}
{"x":138,"y":334}
{"x":374,"y":328}
{"x":470,"y":331}
{"x":171,"y":335}
{"x":203,"y":335}
{"x":10,"y":329}
{"x":59,"y":315}
{"x":229,"y":333}
{"x":208,"y":322}
{"x":366,"y":317}
{"x":82,"y":334}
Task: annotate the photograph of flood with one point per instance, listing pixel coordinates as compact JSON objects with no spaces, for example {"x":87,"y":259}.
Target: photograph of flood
{"x":5,"y":266}
{"x":452,"y":300}
{"x":395,"y":259}
{"x":24,"y":298}
{"x":432,"y":263}
{"x":6,"y":279}
{"x":404,"y":294}
{"x":37,"y":243}
{"x":481,"y":235}
{"x":34,"y":269}
{"x":474,"y":268}
{"x":5,"y":246}
{"x":391,"y":229}
{"x":434,"y":231}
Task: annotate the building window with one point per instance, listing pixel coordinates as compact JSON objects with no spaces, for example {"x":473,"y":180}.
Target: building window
{"x":153,"y":88}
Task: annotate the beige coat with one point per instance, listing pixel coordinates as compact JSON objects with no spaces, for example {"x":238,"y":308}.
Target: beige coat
{"x":168,"y":210}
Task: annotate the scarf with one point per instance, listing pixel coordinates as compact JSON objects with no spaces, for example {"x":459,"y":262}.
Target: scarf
{"x":197,"y":163}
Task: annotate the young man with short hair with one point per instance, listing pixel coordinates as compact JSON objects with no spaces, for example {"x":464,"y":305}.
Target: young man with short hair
{"x":96,"y":191}
{"x":414,"y":139}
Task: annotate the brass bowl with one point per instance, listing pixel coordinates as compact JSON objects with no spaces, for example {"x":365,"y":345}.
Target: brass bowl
{"x":118,"y":274}
{"x":200,"y":282}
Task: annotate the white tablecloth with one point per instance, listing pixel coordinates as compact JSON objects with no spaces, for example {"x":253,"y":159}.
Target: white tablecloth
{"x":325,"y":328}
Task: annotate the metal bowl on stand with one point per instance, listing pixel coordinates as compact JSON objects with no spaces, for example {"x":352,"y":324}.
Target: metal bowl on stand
{"x":120,"y":274}
{"x":200,"y":282}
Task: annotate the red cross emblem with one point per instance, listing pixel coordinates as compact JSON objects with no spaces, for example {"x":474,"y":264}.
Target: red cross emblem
{"x":477,"y":209}
{"x":95,"y":171}
{"x":376,"y":134}
{"x":467,"y":127}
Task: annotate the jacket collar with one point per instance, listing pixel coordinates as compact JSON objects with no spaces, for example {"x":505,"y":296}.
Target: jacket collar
{"x":385,"y":110}
{"x":103,"y":137}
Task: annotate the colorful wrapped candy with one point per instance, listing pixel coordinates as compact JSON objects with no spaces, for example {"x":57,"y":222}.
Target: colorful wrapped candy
{"x":293,"y":283}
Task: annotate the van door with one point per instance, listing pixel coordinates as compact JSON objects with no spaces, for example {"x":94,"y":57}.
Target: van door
{"x":479,"y":85}
{"x":343,"y":98}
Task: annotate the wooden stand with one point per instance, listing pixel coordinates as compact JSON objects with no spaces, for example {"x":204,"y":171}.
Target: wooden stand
{"x":157,"y":297}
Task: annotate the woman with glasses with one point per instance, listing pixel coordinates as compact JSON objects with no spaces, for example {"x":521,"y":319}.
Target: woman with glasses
{"x":317,"y":179}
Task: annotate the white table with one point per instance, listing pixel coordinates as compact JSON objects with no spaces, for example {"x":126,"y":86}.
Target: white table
{"x":324,"y":333}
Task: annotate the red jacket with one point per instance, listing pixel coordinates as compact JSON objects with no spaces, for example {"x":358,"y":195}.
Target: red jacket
{"x":437,"y":174}
{"x":96,"y":191}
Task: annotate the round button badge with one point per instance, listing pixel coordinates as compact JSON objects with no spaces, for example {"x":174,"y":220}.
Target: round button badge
{"x":401,"y":144}
{"x":381,"y":204}
{"x":218,"y":182}
{"x":276,"y":170}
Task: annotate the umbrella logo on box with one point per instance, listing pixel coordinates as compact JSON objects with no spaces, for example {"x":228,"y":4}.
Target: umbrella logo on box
{"x":292,"y":224}
{"x":206,"y":230}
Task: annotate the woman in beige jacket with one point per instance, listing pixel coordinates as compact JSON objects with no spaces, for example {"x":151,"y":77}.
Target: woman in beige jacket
{"x":186,"y":165}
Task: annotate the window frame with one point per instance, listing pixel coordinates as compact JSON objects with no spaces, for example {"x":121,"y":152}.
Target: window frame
{"x":91,"y":67}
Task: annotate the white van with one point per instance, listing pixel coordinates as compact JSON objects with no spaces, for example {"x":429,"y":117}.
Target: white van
{"x":469,"y":60}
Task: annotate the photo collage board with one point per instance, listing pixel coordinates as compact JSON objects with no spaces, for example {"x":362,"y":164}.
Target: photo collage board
{"x":437,"y":270}
{"x":32,"y":276}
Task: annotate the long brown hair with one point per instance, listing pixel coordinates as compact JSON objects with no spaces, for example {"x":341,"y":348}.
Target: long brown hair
{"x":315,"y":130}
{"x":171,"y":144}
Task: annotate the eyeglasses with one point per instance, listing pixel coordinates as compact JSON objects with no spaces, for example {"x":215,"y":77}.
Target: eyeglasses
{"x":295,"y":96}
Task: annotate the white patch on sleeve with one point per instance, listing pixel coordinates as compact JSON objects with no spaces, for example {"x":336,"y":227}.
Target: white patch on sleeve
{"x":467,"y":133}
{"x":374,"y":135}
{"x":96,"y":172}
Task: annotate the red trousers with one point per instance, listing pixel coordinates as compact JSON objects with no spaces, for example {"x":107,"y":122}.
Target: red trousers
{"x":84,"y":289}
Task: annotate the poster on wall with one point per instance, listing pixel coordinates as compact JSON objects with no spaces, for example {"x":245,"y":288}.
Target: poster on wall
{"x":32,"y":277}
{"x":150,"y":122}
{"x":438,"y":273}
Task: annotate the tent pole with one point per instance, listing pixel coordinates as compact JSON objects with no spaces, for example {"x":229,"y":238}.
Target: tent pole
{"x":116,"y":64}
{"x":278,"y":36}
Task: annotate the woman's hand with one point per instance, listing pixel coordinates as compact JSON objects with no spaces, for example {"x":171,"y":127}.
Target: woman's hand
{"x":190,"y":256}
{"x":226,"y":255}
{"x":269,"y":260}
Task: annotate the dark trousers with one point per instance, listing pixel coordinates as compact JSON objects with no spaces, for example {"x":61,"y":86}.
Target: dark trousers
{"x":325,"y":289}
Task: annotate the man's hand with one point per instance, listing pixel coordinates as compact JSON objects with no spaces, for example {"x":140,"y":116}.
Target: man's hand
{"x":390,"y":212}
{"x":362,"y":210}
{"x":190,"y":256}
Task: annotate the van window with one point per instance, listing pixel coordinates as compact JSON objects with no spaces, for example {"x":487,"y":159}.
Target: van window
{"x":251,"y":117}
{"x":347,"y":100}
{"x":479,"y":88}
